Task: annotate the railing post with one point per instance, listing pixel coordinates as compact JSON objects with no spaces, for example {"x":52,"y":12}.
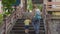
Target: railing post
{"x":44,"y":16}
{"x":46,"y":20}
{"x":4,"y":21}
{"x":10,"y":21}
{"x":5,"y":25}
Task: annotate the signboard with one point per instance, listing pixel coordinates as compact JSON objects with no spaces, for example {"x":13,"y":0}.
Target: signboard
{"x":37,"y":1}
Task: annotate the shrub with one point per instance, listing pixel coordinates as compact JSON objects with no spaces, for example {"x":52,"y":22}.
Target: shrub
{"x":1,"y":18}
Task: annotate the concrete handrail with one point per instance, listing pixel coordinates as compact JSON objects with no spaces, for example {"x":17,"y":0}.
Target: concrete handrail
{"x":45,"y":19}
{"x":10,"y":21}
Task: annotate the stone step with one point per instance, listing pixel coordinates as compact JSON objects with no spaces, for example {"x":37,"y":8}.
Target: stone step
{"x":20,"y":20}
{"x":29,"y":33}
{"x":30,"y":24}
{"x":23,"y":22}
{"x":23,"y":31}
{"x":22,"y":25}
{"x":22,"y":28}
{"x":20,"y":33}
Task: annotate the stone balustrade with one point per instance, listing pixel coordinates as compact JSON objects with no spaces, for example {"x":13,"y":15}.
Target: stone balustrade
{"x":10,"y":21}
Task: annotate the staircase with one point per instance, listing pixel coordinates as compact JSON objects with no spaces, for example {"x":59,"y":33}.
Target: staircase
{"x":19,"y":27}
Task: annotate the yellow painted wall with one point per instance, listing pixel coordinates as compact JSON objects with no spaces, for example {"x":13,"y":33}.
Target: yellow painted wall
{"x":56,"y":13}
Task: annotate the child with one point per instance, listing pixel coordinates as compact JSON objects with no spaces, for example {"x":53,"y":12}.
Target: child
{"x":26,"y":22}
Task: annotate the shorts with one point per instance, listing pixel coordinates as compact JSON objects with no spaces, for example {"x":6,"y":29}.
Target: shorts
{"x":26,"y":27}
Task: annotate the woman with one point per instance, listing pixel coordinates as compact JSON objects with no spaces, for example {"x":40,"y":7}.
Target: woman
{"x":36,"y":19}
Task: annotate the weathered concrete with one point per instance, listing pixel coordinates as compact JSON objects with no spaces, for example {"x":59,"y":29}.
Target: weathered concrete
{"x":54,"y":26}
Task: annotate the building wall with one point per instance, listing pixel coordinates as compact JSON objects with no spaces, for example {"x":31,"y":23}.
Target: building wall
{"x":56,"y":13}
{"x":57,"y":6}
{"x":56,"y":0}
{"x":53,"y":24}
{"x":45,"y":1}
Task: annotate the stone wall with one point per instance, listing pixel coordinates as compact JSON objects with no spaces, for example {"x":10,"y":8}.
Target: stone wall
{"x":54,"y":26}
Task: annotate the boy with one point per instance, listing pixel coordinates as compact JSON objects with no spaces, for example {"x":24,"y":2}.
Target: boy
{"x":26,"y":22}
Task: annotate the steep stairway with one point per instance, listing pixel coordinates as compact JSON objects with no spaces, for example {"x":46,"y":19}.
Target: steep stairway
{"x":19,"y":27}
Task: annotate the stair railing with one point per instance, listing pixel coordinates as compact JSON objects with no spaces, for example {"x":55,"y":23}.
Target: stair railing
{"x":10,"y":21}
{"x":45,"y":18}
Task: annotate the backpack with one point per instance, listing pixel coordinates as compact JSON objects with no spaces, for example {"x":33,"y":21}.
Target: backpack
{"x":37,"y":15}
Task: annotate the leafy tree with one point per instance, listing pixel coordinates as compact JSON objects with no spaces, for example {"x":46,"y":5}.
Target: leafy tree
{"x":7,"y":5}
{"x":1,"y":18}
{"x":40,"y":6}
{"x":29,"y":5}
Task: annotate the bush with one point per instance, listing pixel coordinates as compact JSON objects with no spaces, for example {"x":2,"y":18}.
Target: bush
{"x":1,"y":18}
{"x":40,"y":6}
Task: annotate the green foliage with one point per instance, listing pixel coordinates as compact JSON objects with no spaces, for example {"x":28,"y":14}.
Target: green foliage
{"x":29,"y":3}
{"x":7,"y":13}
{"x":7,"y":5}
{"x":1,"y":18}
{"x":40,"y":6}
